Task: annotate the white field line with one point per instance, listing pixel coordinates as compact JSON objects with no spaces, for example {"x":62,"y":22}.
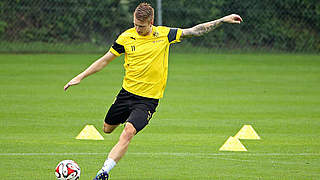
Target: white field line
{"x":265,"y":161}
{"x":167,"y":154}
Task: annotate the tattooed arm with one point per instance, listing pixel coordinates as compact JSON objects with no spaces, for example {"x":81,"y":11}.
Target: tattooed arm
{"x":204,"y":28}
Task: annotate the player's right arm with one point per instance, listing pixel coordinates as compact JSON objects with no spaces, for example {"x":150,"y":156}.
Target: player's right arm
{"x":93,"y":68}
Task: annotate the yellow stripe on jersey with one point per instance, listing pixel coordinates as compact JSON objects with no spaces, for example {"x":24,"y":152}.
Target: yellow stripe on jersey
{"x":146,"y":59}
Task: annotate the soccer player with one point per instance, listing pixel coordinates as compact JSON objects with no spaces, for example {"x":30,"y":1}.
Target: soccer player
{"x":146,"y":49}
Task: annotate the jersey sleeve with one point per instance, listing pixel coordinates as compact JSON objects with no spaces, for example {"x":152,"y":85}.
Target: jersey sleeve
{"x":174,"y":35}
{"x":117,"y":47}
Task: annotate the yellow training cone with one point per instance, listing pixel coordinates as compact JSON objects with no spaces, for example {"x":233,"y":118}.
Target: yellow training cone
{"x":90,"y":132}
{"x":247,"y":132}
{"x":232,"y":144}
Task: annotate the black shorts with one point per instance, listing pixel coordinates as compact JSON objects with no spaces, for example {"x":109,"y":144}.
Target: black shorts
{"x":131,"y":108}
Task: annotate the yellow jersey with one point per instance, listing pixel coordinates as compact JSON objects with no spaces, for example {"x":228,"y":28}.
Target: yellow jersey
{"x":146,"y":59}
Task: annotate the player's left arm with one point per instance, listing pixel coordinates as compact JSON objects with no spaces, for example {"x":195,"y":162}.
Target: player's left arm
{"x":204,"y":28}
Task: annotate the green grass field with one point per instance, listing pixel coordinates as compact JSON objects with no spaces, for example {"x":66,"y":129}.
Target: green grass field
{"x":209,"y":97}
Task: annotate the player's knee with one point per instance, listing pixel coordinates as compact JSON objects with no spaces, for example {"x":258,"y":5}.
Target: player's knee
{"x":129,"y":132}
{"x":107,"y":130}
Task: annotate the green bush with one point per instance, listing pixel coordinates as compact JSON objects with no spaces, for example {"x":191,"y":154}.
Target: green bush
{"x":63,"y":21}
{"x":287,"y":25}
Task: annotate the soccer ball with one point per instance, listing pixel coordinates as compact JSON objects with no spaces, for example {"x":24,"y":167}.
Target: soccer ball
{"x":67,"y":170}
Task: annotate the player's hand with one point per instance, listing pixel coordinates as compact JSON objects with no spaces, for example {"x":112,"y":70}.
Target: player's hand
{"x":73,"y":81}
{"x":233,"y":18}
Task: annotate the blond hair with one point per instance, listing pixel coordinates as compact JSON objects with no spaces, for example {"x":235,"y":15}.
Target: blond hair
{"x":143,"y":12}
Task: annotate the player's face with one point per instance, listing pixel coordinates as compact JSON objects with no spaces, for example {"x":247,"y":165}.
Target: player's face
{"x":143,"y":28}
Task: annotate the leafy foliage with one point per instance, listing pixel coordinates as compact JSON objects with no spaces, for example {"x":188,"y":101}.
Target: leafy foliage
{"x":60,"y":20}
{"x":287,"y":25}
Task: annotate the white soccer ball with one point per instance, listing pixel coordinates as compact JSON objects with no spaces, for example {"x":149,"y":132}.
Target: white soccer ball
{"x":67,"y":170}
